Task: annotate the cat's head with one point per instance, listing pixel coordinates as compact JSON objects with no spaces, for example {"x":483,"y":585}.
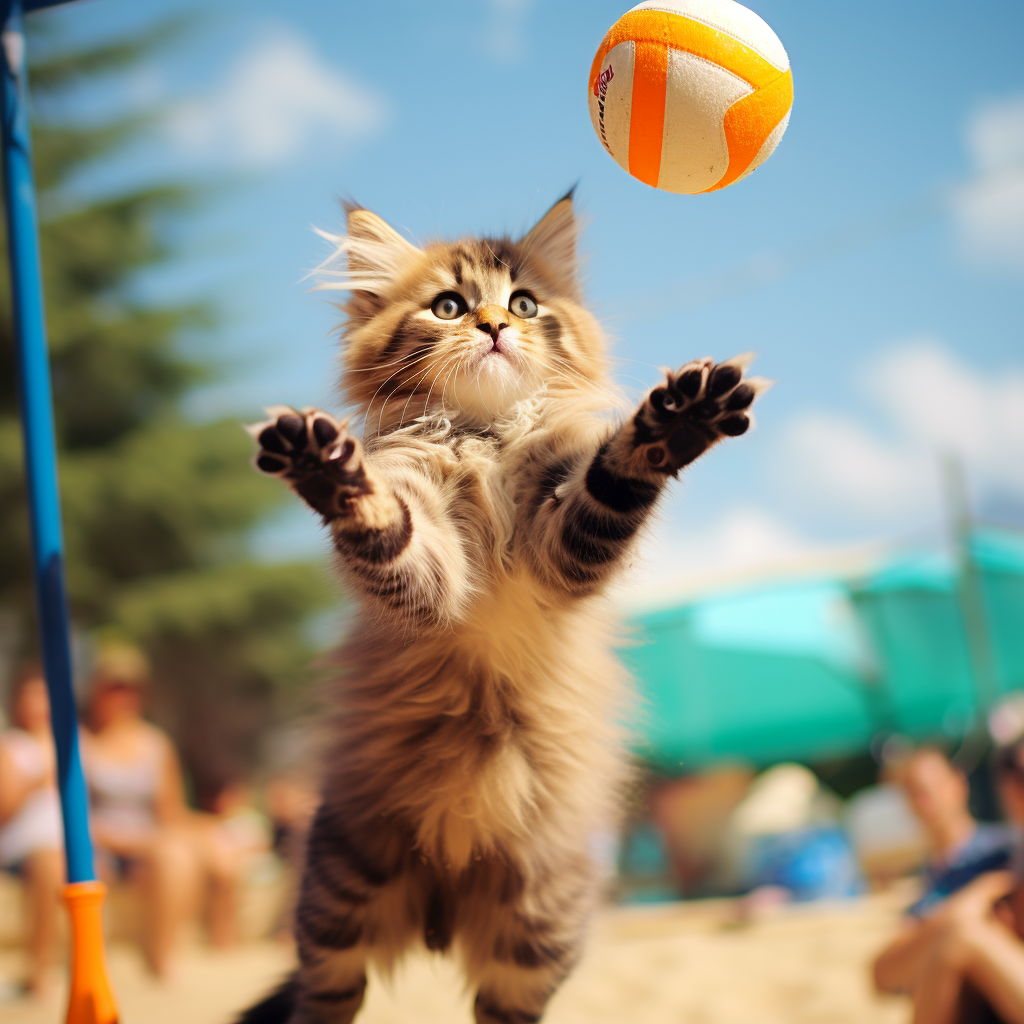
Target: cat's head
{"x":467,"y":328}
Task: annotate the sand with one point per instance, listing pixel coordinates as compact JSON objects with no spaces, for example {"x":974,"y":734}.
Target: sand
{"x":664,"y":964}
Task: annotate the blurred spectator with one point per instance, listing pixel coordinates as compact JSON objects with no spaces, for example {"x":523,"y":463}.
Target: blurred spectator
{"x":885,"y":833}
{"x":31,"y":836}
{"x":291,"y":801}
{"x":788,"y":843}
{"x":960,"y":850}
{"x":234,"y":840}
{"x":143,"y":829}
{"x":968,"y":964}
{"x":693,"y":814}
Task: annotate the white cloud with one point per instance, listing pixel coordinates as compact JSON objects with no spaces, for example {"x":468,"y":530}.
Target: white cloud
{"x":279,"y":97}
{"x":991,"y":212}
{"x":745,"y":541}
{"x":942,"y":404}
{"x":504,"y":36}
{"x":839,"y":460}
{"x":936,"y":405}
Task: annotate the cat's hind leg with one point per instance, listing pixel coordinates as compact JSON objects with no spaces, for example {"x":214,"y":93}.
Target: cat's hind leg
{"x":520,"y":939}
{"x":353,"y":900}
{"x":329,"y":930}
{"x":530,"y":959}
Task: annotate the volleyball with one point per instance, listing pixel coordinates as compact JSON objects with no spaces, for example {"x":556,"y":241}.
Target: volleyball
{"x":690,"y":95}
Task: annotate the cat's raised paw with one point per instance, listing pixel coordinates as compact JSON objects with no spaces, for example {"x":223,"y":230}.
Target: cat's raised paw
{"x":315,"y":454}
{"x":697,"y":405}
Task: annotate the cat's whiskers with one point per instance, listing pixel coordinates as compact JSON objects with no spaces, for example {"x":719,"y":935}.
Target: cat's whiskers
{"x":400,"y":384}
{"x":373,"y":397}
{"x":384,"y":404}
{"x":412,"y":394}
{"x":426,"y":402}
{"x":383,"y":366}
{"x":454,"y":369}
{"x":390,"y":377}
{"x":575,"y":377}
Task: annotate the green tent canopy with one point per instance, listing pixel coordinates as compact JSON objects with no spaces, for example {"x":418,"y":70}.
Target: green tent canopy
{"x":815,"y":670}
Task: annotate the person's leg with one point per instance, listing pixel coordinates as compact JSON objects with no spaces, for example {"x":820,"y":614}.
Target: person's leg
{"x":898,"y":966}
{"x":170,"y":880}
{"x":44,"y":875}
{"x":940,"y":982}
{"x":222,"y":866}
{"x":982,"y":952}
{"x":995,"y":965}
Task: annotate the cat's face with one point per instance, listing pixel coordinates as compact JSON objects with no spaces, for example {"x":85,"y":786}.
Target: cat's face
{"x":466,"y":328}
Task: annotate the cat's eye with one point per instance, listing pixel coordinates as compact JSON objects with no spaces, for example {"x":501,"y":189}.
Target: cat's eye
{"x":523,"y":305}
{"x":449,"y":306}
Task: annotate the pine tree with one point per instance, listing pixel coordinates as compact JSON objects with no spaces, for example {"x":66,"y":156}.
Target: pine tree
{"x":157,"y":509}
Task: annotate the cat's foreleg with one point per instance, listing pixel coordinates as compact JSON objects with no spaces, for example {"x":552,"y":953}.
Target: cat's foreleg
{"x":589,"y":510}
{"x":678,"y":421}
{"x":395,"y":547}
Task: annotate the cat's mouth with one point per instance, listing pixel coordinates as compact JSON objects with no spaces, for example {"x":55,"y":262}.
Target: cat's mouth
{"x":498,"y":350}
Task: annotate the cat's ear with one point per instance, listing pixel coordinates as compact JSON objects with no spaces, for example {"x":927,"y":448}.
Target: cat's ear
{"x":375,"y":256}
{"x":377,"y":248}
{"x":552,"y":243}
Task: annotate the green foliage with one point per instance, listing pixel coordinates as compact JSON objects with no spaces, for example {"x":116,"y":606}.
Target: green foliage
{"x":157,"y":509}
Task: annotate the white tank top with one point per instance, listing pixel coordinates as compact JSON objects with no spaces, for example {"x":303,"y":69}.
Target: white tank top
{"x":123,"y":793}
{"x":36,"y":825}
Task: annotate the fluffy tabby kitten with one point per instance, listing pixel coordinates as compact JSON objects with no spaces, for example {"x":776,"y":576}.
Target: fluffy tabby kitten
{"x":479,"y":523}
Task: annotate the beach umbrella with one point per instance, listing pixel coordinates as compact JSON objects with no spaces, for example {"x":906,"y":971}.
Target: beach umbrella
{"x":814,"y":670}
{"x":91,"y":999}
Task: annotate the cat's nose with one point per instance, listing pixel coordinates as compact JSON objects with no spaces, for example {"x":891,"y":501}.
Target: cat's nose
{"x":491,"y":319}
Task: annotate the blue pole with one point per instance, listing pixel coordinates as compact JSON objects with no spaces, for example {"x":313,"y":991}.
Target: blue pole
{"x":38,"y":435}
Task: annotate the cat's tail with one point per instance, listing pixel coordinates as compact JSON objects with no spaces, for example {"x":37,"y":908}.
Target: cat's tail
{"x":276,"y":1008}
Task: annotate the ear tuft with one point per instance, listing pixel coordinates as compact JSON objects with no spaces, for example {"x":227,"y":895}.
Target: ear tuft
{"x":552,"y":243}
{"x":366,"y":261}
{"x":366,"y":226}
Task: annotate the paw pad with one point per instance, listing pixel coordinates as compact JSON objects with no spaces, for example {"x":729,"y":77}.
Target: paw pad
{"x":694,"y":408}
{"x":313,"y":452}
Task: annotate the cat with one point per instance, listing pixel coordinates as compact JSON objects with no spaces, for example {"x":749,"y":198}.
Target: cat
{"x":478,"y":746}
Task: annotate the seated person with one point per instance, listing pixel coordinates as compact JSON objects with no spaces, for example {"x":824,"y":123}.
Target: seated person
{"x":960,"y":849}
{"x":964,"y":963}
{"x":234,"y":843}
{"x":31,"y":837}
{"x":141,"y":824}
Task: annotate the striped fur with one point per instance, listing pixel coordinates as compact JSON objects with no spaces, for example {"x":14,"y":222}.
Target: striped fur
{"x":479,"y":522}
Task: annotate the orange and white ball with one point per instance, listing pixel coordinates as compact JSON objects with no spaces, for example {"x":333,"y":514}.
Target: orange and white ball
{"x":690,"y":95}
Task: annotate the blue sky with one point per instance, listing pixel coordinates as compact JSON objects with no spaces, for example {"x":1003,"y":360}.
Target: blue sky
{"x":875,"y":262}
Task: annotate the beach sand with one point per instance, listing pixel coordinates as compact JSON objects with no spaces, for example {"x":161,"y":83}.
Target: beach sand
{"x":662,"y":964}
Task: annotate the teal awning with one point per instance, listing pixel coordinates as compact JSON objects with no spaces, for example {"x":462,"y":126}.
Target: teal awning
{"x":807,"y":671}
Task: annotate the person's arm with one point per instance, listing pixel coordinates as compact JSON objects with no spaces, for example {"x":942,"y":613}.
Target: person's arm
{"x":995,"y":964}
{"x":897,"y":967}
{"x":171,"y":808}
{"x":15,"y":786}
{"x":973,"y":945}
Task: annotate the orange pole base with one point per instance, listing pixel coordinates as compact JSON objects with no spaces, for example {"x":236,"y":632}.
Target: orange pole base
{"x":91,"y":1000}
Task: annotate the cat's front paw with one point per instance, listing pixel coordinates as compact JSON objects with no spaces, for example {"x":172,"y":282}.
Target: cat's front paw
{"x":314,"y":452}
{"x":695,"y":407}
